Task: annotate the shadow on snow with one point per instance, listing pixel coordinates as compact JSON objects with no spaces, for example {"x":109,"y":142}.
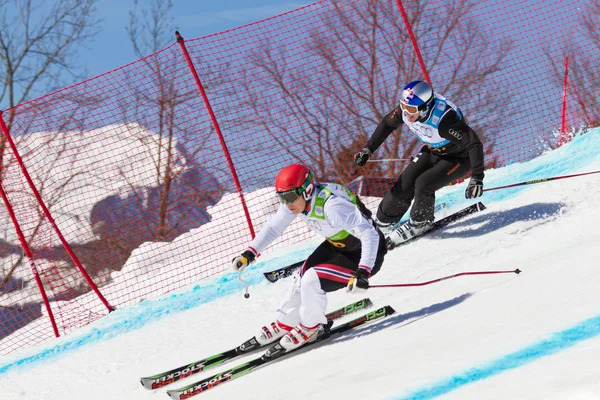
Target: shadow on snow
{"x":481,"y":224}
{"x":397,"y":319}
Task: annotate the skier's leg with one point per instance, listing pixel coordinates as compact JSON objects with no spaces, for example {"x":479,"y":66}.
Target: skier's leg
{"x":288,"y":313}
{"x":314,"y":300}
{"x":397,"y":200}
{"x":330,"y":270}
{"x":312,"y":312}
{"x":444,"y":171}
{"x":328,"y":275}
{"x":287,"y":316}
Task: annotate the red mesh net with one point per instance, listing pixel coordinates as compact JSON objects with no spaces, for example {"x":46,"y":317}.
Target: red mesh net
{"x":135,"y":156}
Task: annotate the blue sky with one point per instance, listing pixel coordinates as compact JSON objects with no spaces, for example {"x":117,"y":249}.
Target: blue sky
{"x":112,"y":49}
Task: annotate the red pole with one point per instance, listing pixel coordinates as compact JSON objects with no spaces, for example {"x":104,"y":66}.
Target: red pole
{"x":29,"y":255}
{"x":217,"y":129}
{"x":541,"y":180}
{"x":563,"y":124}
{"x":515,"y":271}
{"x":413,"y":40}
{"x":38,"y":197}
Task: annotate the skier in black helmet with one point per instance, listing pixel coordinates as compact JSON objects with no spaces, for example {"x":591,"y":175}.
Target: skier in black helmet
{"x":451,"y":150}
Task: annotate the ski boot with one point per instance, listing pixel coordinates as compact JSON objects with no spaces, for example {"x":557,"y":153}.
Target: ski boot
{"x":407,"y":231}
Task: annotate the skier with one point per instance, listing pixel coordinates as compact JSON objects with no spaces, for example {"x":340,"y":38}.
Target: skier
{"x":451,"y":149}
{"x":353,"y":251}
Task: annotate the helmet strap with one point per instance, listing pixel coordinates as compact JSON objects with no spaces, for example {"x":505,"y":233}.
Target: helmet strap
{"x":308,"y":192}
{"x":425,"y":112}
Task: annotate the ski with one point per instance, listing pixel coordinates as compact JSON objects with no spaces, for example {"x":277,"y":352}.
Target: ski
{"x":273,"y":353}
{"x":284,"y":272}
{"x":472,"y":209}
{"x":168,"y":377}
{"x":275,"y":275}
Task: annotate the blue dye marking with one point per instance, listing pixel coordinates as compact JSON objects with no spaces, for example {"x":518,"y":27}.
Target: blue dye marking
{"x":572,"y":157}
{"x":133,"y":318}
{"x":557,"y":342}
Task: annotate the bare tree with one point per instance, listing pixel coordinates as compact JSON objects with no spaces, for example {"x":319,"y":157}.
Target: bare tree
{"x":585,"y":73}
{"x":39,"y":43}
{"x":38,"y":47}
{"x":350,"y":72}
{"x":582,"y":47}
{"x":150,"y":30}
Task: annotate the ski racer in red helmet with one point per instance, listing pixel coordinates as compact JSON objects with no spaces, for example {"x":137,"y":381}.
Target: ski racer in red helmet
{"x":353,"y":250}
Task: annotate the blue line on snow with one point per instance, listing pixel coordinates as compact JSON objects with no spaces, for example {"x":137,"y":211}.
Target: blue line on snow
{"x":559,"y":341}
{"x":148,"y":311}
{"x":577,"y":154}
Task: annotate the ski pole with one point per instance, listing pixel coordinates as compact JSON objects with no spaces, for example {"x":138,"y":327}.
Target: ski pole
{"x":247,"y":294}
{"x":389,"y":159}
{"x":541,"y":180}
{"x":515,"y":271}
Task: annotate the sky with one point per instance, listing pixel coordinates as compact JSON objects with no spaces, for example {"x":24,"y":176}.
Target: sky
{"x":529,"y":336}
{"x":112,"y":49}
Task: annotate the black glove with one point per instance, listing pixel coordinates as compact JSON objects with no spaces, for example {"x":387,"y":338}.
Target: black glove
{"x":239,"y":263}
{"x":360,"y":283}
{"x":474,"y":189}
{"x":362,"y":156}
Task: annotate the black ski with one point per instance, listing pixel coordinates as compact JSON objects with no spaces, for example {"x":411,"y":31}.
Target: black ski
{"x":168,"y":377}
{"x":284,"y":272}
{"x":273,"y":353}
{"x":473,"y":208}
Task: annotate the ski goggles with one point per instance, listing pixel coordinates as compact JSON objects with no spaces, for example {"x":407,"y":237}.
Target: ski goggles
{"x":409,"y":109}
{"x":289,"y":196}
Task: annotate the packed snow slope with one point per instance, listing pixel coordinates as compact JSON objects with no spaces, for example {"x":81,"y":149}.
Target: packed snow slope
{"x":530,"y":336}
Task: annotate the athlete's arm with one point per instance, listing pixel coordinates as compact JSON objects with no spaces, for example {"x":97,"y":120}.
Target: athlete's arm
{"x":386,"y":126}
{"x":272,"y":229}
{"x":458,"y":132}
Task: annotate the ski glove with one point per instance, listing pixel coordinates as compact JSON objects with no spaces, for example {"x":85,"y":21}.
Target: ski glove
{"x":239,"y":263}
{"x":362,"y":156}
{"x":474,"y":189}
{"x":360,"y":283}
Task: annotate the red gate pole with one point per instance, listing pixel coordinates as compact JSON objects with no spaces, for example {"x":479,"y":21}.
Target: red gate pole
{"x":29,"y":255}
{"x":563,"y":119}
{"x":215,"y":124}
{"x":413,"y":40}
{"x":46,"y":212}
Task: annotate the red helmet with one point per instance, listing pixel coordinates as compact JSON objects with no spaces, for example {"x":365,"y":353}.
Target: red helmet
{"x":294,"y":181}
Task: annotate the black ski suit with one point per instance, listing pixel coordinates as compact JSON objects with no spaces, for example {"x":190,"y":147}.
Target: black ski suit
{"x":451,"y":149}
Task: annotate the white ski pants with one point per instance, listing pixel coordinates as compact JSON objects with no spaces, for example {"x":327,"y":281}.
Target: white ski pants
{"x":304,"y":303}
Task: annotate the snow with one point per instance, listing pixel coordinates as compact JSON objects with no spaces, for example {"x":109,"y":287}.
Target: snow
{"x":505,"y":336}
{"x":107,"y":158}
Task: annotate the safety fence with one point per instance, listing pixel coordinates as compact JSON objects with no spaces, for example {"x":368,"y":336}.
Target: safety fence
{"x":102,"y":181}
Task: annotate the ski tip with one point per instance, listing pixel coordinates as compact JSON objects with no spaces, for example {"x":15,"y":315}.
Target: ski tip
{"x":146,"y":383}
{"x":271,"y":277}
{"x":480,"y":206}
{"x":173,"y":394}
